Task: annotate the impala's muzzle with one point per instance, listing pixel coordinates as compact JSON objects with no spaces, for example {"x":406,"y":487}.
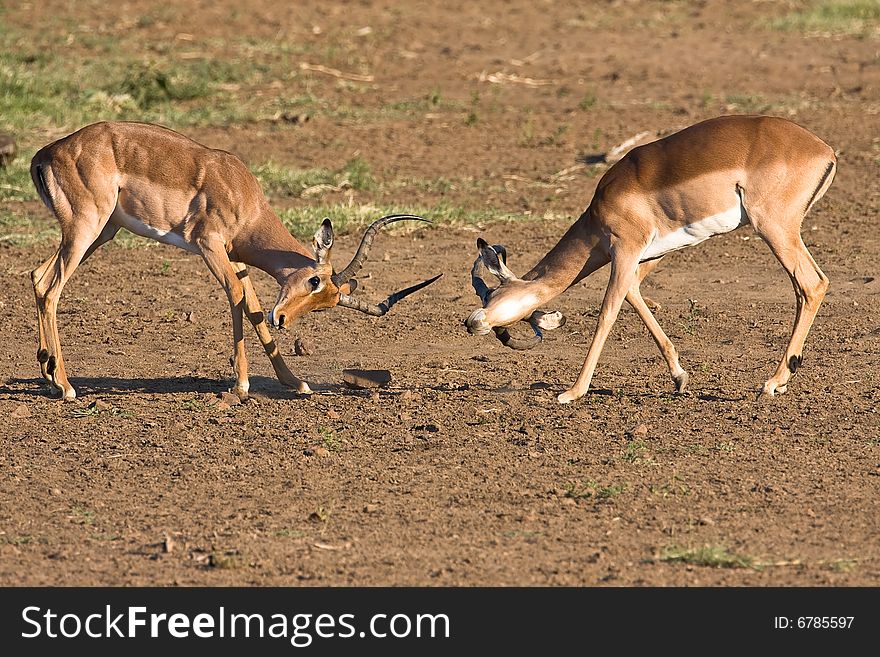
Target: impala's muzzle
{"x":476,"y":323}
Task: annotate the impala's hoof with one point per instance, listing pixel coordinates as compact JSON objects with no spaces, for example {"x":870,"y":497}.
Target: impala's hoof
{"x":771,"y":389}
{"x":303,"y":388}
{"x":567,"y":397}
{"x":681,"y":382}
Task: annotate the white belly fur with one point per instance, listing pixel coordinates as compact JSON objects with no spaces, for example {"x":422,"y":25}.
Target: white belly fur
{"x":697,"y":232}
{"x":138,"y":227}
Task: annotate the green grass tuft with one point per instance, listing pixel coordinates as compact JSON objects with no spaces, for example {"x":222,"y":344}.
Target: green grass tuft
{"x":712,"y":556}
{"x":853,"y":17}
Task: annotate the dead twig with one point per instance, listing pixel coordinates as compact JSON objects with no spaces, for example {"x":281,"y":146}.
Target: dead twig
{"x":336,"y":73}
{"x":504,"y":78}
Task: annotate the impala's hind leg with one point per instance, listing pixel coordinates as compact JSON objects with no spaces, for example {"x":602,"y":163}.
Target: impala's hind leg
{"x":80,"y":237}
{"x":782,"y":233}
{"x":810,"y":285}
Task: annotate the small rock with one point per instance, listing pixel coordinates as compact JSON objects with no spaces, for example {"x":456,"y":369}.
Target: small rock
{"x":406,"y":395}
{"x":7,"y":150}
{"x":222,"y":406}
{"x":333,"y":415}
{"x":308,"y":451}
{"x":323,"y":452}
{"x":639,"y":430}
{"x":300,"y":348}
{"x":21,"y":411}
{"x":190,"y":317}
{"x":363,"y":379}
{"x":706,"y":521}
{"x":374,"y":396}
{"x":480,"y":358}
{"x":167,"y":545}
{"x":230,"y":398}
{"x":100,"y":405}
{"x":56,"y":492}
{"x":295,"y":119}
{"x":371,"y":508}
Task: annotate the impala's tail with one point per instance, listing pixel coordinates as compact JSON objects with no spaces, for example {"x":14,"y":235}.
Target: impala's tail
{"x":38,"y":175}
{"x":823,"y":185}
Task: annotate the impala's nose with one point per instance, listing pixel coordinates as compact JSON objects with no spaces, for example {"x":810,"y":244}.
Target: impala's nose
{"x":476,"y":323}
{"x":276,"y":321}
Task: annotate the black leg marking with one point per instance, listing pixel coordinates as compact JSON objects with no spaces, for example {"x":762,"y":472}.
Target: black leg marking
{"x":42,"y":355}
{"x":50,"y":366}
{"x":794,"y":363}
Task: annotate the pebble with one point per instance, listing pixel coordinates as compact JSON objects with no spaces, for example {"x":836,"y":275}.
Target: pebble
{"x":300,"y":348}
{"x":639,"y":430}
{"x":21,"y":411}
{"x":7,"y":150}
{"x":230,"y":398}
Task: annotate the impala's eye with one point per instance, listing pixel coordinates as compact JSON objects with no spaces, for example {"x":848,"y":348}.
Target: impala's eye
{"x":314,"y":281}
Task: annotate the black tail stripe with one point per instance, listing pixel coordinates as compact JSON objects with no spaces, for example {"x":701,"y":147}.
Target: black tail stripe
{"x":825,"y":175}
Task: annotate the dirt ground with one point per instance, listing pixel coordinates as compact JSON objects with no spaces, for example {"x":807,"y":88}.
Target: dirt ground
{"x":465,"y":471}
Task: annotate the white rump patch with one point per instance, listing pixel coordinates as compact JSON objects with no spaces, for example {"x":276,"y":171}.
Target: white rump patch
{"x":138,"y":227}
{"x":697,"y":232}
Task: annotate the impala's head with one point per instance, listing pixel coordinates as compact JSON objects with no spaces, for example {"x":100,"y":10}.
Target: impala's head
{"x":318,"y":287}
{"x":314,"y":287}
{"x":513,"y":300}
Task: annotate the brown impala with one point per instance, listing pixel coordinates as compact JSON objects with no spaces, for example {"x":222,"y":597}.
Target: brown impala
{"x":705,"y":180}
{"x":162,"y":185}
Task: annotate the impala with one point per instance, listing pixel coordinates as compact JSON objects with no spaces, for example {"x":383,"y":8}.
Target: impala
{"x":161,"y":185}
{"x":705,"y":180}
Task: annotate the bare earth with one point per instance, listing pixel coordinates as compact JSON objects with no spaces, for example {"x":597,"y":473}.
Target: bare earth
{"x":465,"y":471}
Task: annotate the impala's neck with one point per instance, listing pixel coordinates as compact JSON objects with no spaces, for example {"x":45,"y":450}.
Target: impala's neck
{"x":574,"y":257}
{"x":268,"y":245}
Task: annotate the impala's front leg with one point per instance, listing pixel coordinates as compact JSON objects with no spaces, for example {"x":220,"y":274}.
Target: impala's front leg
{"x":256,"y":316}
{"x":623,"y":274}
{"x":218,"y":262}
{"x":642,"y":307}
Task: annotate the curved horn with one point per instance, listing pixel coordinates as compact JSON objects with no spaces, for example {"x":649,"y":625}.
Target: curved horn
{"x":379,"y":309}
{"x":366,"y":241}
{"x":520,"y":344}
{"x":483,"y":291}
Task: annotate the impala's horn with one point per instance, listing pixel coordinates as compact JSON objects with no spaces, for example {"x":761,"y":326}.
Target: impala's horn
{"x":379,"y":309}
{"x":366,"y":241}
{"x":346,"y":275}
{"x":520,"y":344}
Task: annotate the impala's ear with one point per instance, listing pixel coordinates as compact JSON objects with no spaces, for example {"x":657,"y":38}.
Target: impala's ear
{"x":323,"y":242}
{"x":349,"y":287}
{"x":495,"y":264}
